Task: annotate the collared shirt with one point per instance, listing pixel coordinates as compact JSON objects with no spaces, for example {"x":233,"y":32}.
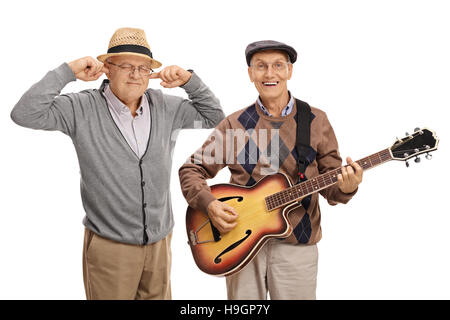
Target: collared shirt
{"x":287,"y":110}
{"x":136,"y":130}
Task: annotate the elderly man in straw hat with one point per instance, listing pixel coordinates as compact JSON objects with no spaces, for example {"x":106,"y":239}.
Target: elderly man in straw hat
{"x":124,"y":135}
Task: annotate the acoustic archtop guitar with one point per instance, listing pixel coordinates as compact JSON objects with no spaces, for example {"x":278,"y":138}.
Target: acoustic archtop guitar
{"x":264,"y":207}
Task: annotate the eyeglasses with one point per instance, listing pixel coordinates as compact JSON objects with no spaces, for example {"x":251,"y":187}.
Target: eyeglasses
{"x":277,"y":66}
{"x":128,"y":68}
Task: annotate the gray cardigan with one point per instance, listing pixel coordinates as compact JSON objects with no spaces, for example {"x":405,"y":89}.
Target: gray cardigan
{"x":126,"y":199}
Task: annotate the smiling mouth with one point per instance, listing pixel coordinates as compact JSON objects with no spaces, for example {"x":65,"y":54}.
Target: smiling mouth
{"x":136,"y":84}
{"x":270,"y":84}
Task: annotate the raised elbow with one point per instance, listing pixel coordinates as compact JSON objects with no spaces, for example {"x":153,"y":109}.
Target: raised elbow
{"x":17,"y":117}
{"x":214,"y":121}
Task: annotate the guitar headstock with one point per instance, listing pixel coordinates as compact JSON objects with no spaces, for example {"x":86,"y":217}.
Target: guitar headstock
{"x":421,"y":141}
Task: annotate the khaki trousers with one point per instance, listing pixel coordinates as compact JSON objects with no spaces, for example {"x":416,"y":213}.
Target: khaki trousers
{"x":286,"y":271}
{"x":113,"y":270}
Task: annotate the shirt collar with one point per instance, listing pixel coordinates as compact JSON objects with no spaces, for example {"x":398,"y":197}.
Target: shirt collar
{"x":118,"y":105}
{"x":286,"y":110}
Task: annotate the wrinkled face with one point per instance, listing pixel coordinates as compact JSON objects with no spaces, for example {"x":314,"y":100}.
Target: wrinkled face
{"x":128,"y":86}
{"x":269,"y":71}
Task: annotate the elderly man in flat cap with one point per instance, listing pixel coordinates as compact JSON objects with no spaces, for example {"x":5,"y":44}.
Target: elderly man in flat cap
{"x":279,"y":134}
{"x":124,"y":135}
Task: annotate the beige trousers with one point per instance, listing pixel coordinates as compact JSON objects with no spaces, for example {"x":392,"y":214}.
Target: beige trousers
{"x":113,"y":270}
{"x":286,"y":271}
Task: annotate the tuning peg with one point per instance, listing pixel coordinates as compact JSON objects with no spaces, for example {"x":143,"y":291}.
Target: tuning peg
{"x":407,"y":164}
{"x":418,"y":130}
{"x":406,"y":134}
{"x":428,"y":156}
{"x":417,"y":160}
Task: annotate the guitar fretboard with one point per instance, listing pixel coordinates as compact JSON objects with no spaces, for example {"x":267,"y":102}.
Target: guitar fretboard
{"x":320,"y":182}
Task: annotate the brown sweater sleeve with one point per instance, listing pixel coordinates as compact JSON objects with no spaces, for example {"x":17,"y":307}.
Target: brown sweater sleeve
{"x":204,"y":164}
{"x":328,"y":158}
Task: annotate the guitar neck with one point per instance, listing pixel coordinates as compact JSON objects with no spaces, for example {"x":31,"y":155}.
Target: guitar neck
{"x":323,"y":181}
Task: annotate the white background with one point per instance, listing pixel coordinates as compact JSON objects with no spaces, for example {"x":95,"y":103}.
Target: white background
{"x":378,"y":68}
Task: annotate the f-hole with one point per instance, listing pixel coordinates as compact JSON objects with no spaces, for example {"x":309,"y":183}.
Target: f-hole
{"x":239,"y":198}
{"x":217,"y":260}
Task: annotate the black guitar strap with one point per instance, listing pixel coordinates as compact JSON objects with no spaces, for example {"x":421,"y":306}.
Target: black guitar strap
{"x":303,"y":137}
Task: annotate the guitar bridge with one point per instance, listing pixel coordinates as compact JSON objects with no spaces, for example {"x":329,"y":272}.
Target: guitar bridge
{"x":193,"y":234}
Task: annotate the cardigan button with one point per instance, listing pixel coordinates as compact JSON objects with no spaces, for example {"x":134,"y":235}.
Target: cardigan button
{"x":143,"y":183}
{"x":144,"y":205}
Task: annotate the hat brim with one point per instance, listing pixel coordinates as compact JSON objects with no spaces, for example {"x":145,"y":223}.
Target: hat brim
{"x":154,"y":63}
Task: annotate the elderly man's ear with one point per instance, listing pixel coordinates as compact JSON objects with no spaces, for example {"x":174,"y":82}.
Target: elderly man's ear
{"x":105,"y":70}
{"x":250,"y":74}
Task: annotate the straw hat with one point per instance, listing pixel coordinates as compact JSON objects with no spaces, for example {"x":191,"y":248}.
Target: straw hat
{"x":129,"y":41}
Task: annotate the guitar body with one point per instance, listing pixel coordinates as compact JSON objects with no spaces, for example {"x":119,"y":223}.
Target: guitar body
{"x":226,"y":254}
{"x":264,"y":207}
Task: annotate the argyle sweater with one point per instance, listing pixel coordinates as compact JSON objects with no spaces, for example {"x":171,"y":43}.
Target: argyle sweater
{"x":253,"y":145}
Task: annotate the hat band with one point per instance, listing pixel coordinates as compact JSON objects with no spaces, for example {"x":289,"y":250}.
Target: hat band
{"x":131,"y":48}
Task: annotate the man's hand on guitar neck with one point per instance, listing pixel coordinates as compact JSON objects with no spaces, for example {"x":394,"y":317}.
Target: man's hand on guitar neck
{"x":351,"y":176}
{"x":222,"y":215}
